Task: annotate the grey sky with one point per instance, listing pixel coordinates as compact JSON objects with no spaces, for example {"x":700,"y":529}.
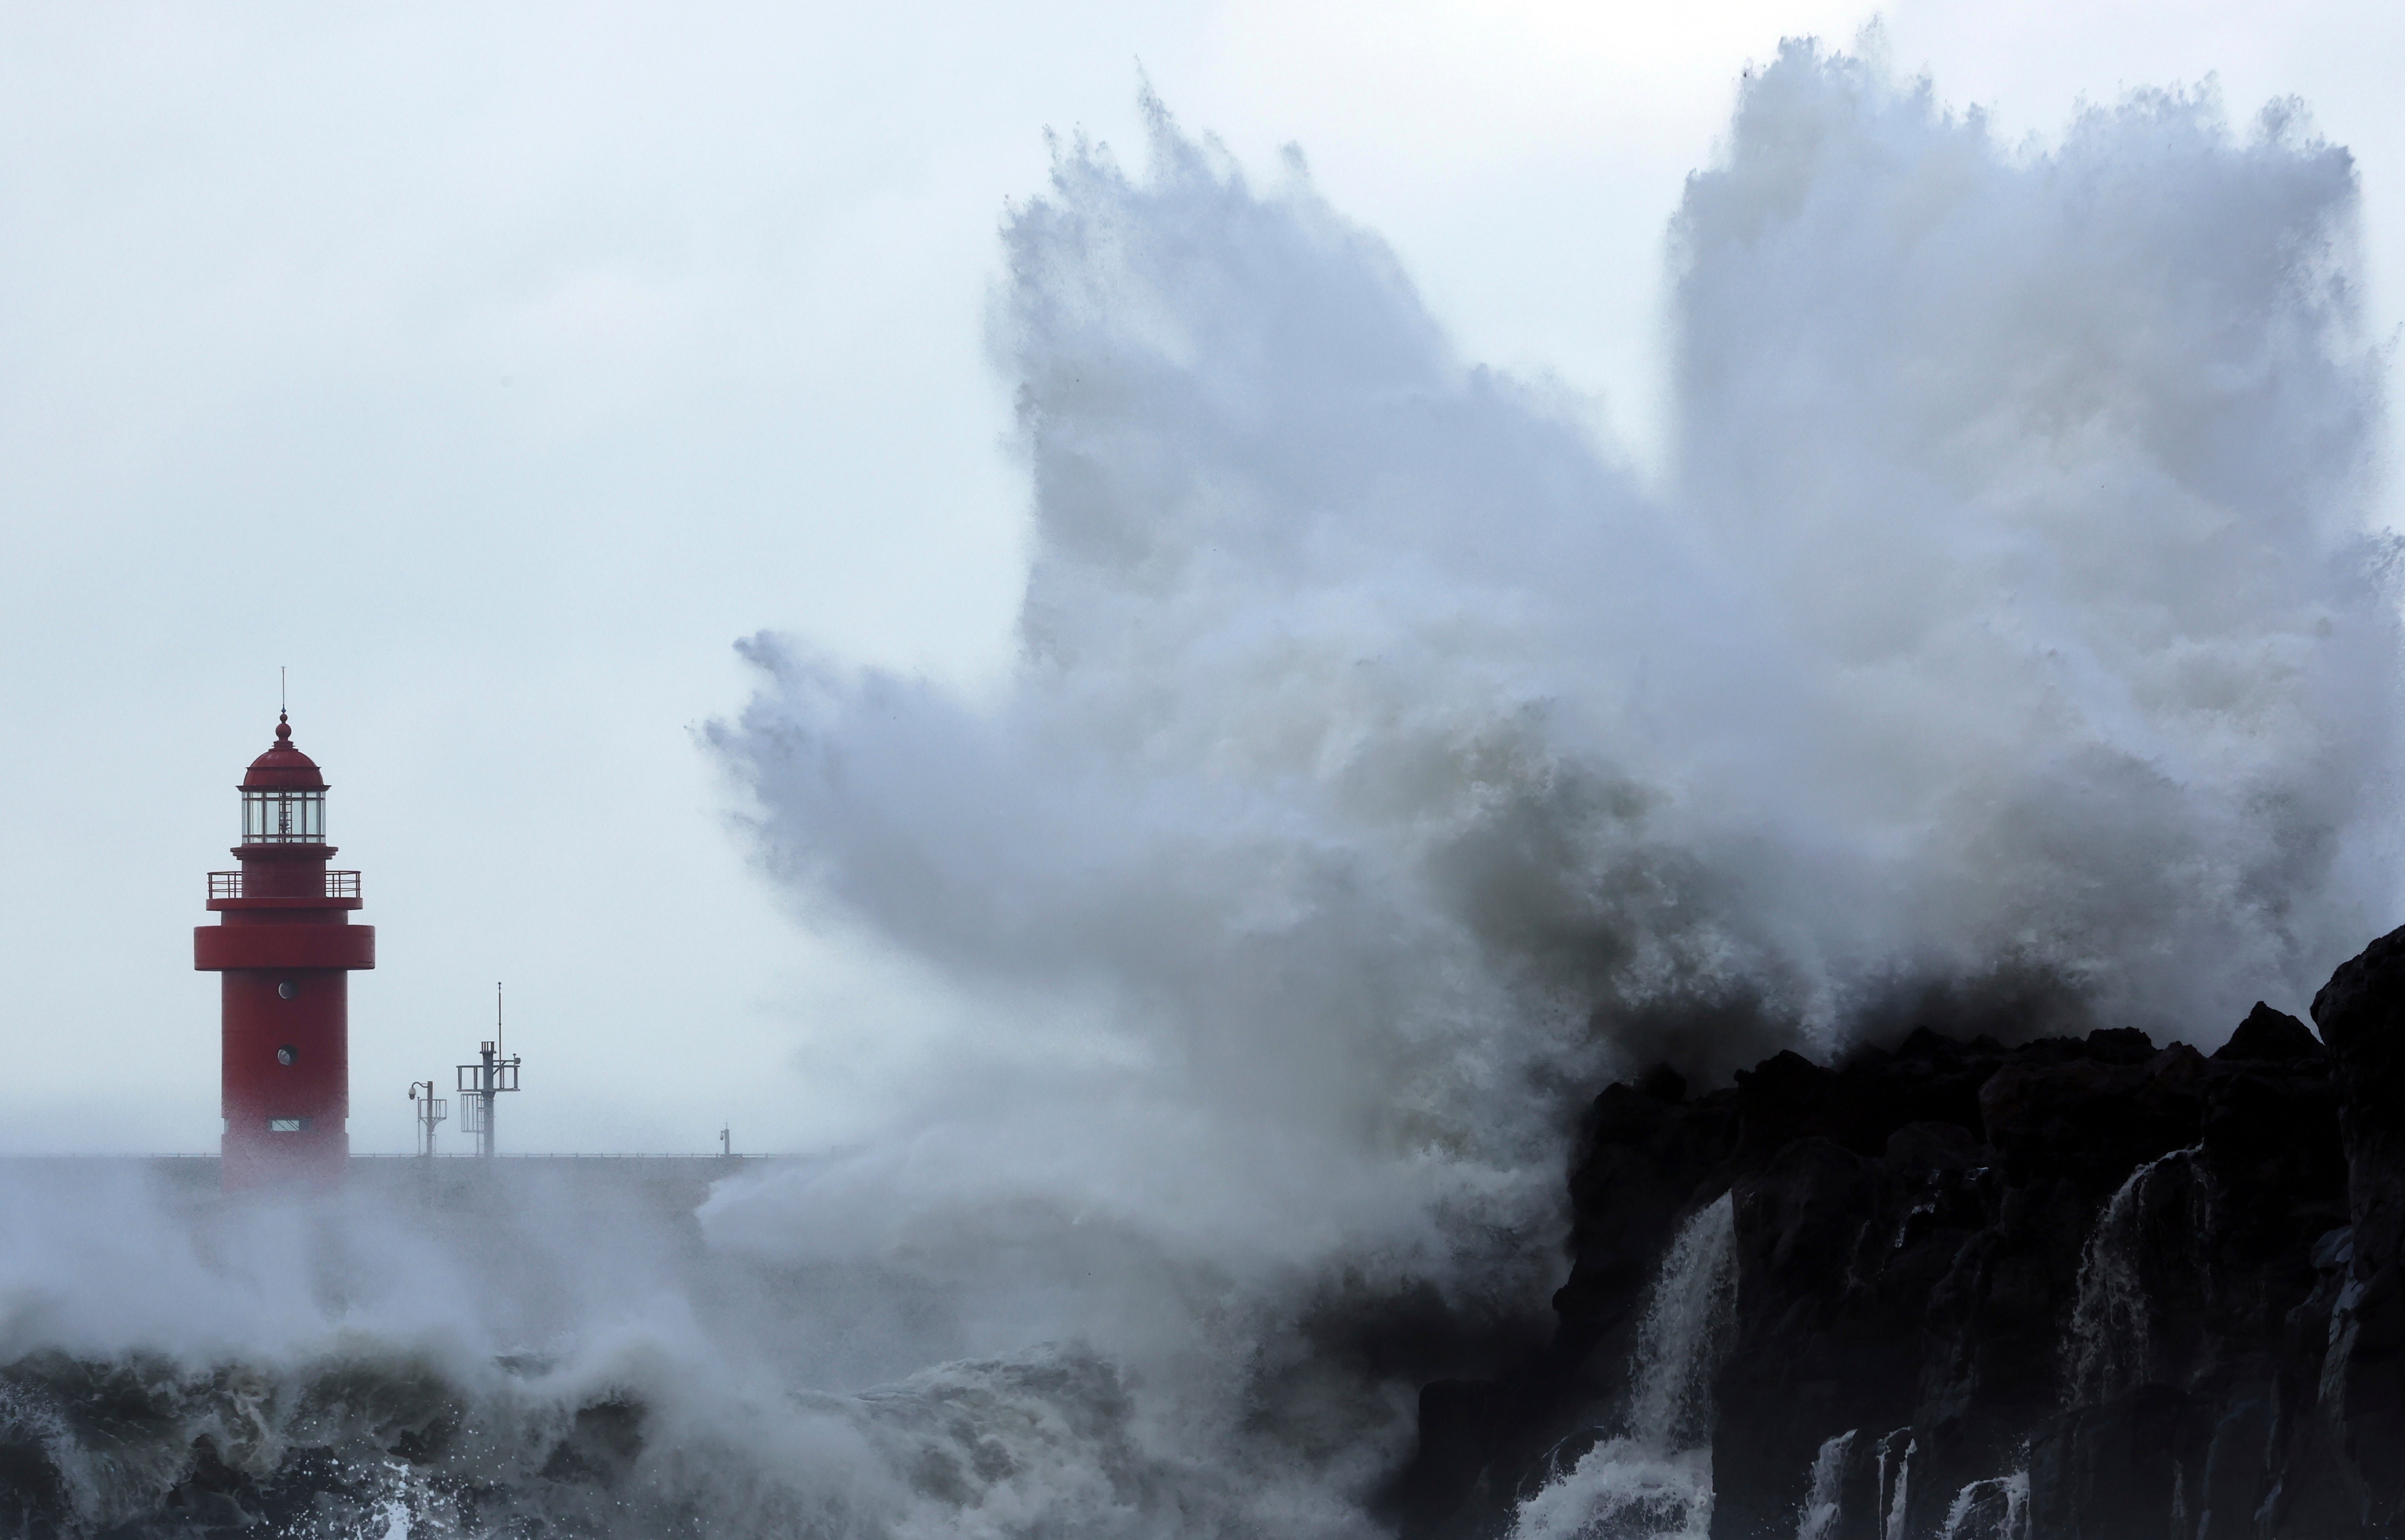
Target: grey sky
{"x":495,"y":369}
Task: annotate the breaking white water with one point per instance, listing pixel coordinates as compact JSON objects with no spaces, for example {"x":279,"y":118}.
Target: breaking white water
{"x":2008,"y":643}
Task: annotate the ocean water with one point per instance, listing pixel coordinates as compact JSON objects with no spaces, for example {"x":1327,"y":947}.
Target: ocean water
{"x":2010,"y":639}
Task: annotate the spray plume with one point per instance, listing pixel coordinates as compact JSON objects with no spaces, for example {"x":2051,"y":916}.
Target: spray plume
{"x":2007,"y":646}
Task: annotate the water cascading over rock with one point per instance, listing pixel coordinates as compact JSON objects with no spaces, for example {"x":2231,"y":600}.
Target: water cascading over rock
{"x":1824,"y":1499}
{"x":1651,"y":1480}
{"x":2093,"y":1289}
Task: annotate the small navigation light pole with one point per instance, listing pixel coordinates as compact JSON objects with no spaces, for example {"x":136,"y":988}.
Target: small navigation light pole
{"x":431,"y":1110}
{"x":726,"y":1140}
{"x":480,"y":1082}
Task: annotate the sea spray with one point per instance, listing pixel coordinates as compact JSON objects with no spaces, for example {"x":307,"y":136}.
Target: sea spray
{"x":2008,"y":644}
{"x":1654,"y":1479}
{"x":543,"y":1346}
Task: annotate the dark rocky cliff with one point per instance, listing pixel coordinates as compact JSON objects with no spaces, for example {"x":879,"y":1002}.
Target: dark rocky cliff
{"x":2071,"y":1290}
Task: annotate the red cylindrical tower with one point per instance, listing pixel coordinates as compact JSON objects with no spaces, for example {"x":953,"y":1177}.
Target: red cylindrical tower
{"x":285,"y":947}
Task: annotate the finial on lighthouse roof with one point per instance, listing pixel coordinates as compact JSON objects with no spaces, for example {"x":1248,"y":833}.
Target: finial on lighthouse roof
{"x":284,"y":765}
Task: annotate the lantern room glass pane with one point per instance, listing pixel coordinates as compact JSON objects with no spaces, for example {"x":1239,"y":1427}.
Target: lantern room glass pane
{"x":283,"y":818}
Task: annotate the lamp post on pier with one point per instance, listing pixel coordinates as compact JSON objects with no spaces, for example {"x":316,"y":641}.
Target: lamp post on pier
{"x":431,"y":1110}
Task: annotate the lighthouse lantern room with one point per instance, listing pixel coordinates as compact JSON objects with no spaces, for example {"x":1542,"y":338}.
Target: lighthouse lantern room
{"x":283,"y":948}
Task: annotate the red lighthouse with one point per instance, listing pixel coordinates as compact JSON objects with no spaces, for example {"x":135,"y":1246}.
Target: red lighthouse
{"x":283,"y":949}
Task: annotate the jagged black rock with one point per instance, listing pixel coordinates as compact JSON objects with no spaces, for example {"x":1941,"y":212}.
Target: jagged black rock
{"x":1913,"y":1226}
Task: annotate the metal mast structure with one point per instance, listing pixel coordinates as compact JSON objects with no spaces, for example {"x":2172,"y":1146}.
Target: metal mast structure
{"x":486,"y":1079}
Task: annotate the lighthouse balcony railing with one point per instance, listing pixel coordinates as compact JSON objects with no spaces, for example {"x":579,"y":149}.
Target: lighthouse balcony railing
{"x":228,"y":885}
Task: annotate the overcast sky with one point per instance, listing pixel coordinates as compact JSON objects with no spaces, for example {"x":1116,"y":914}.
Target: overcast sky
{"x":496,"y":368}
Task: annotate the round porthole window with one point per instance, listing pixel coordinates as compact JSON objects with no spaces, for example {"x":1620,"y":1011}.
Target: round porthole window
{"x":285,"y":1054}
{"x":288,"y":989}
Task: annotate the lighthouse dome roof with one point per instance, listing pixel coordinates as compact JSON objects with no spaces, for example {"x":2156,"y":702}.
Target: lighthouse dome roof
{"x":283,"y":767}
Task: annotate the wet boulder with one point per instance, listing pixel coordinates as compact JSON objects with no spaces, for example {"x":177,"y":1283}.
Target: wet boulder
{"x":2073,"y":1287}
{"x":2112,"y":1472}
{"x":2268,"y":1036}
{"x":2361,"y":1014}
